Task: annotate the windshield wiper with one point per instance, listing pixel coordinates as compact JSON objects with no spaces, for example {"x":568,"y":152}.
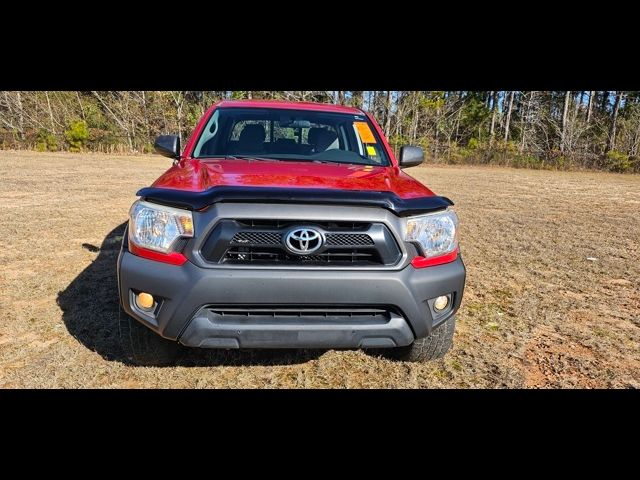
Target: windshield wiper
{"x":250,"y":157}
{"x":326,"y":161}
{"x":303,"y":160}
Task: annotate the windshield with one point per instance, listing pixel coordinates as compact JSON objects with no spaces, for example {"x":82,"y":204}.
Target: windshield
{"x":300,"y":135}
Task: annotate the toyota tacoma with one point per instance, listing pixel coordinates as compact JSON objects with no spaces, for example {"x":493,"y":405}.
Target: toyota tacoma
{"x":288,"y":225}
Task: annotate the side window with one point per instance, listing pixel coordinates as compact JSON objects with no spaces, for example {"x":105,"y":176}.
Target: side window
{"x":208,"y":138}
{"x":283,"y":133}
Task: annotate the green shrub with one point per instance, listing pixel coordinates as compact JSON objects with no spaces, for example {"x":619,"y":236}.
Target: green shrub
{"x":512,"y":147}
{"x":95,"y":117}
{"x":618,"y":162}
{"x":46,"y":141}
{"x":399,"y":140}
{"x":457,"y":155}
{"x":423,"y":143}
{"x":474,"y":144}
{"x":527,"y":161}
{"x":77,"y":135}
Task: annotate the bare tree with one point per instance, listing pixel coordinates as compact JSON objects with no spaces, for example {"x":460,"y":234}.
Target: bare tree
{"x":525,"y":121}
{"x":633,"y":149}
{"x":415,"y":118}
{"x":565,"y":111}
{"x":508,"y":118}
{"x":53,"y":126}
{"x":387,"y":126}
{"x":178,"y":100}
{"x":611,"y":139}
{"x":20,"y":111}
{"x":494,"y":111}
{"x":590,"y":106}
{"x":121,"y":118}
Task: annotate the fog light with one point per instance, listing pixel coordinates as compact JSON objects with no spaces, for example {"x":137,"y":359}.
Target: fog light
{"x":145,"y":301}
{"x":441,"y":303}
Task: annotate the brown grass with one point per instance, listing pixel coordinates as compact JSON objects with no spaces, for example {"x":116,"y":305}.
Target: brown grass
{"x":536,"y":312}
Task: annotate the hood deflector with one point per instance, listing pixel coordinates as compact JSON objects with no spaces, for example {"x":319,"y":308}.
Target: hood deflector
{"x":389,"y":200}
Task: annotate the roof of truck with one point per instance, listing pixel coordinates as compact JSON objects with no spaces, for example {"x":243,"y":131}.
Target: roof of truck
{"x":321,"y":107}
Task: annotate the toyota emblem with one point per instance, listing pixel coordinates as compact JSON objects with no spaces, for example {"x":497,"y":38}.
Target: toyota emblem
{"x":303,"y":241}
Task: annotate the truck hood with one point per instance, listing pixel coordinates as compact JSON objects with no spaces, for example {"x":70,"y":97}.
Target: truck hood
{"x":200,"y":175}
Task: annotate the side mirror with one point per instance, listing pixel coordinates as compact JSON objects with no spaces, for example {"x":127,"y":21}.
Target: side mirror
{"x":168,"y":145}
{"x":411,"y":156}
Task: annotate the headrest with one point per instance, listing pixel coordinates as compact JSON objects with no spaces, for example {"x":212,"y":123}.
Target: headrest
{"x":324,"y":139}
{"x":252,"y":135}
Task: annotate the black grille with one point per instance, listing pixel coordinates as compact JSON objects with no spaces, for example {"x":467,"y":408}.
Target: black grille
{"x":355,"y":240}
{"x":261,"y":242}
{"x":272,"y":255}
{"x":269,"y":314}
{"x":256,"y":238}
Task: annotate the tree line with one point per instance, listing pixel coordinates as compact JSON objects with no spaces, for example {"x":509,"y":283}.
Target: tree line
{"x":537,"y":129}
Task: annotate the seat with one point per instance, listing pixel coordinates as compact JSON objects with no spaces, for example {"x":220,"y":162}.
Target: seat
{"x":322,"y":139}
{"x":312,"y":136}
{"x":251,"y":139}
{"x":285,"y":145}
{"x":326,"y":140}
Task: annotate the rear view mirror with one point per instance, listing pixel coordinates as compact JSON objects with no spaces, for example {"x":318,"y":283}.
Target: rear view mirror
{"x":286,"y":122}
{"x":411,"y":156}
{"x":168,"y":145}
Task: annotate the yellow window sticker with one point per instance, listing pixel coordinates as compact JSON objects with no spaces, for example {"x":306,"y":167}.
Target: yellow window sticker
{"x":371,"y":151}
{"x":366,"y":135}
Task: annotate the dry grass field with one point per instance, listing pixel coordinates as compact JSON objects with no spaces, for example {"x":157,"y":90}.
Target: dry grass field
{"x":552,"y":298}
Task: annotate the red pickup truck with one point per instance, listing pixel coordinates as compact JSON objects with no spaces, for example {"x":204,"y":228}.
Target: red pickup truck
{"x":288,"y":225}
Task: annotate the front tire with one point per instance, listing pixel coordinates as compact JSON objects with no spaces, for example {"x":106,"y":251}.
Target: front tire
{"x":143,"y":346}
{"x":432,"y":347}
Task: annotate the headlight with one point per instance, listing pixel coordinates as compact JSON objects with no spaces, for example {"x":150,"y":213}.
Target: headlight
{"x":437,"y":233}
{"x":157,"y":227}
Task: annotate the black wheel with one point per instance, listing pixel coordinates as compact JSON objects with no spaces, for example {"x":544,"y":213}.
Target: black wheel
{"x":142,"y":346}
{"x":428,"y":348}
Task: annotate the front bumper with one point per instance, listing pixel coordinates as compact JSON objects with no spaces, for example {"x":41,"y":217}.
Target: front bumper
{"x":188,"y":290}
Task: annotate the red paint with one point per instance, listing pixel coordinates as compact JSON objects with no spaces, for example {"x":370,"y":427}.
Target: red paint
{"x":283,"y":104}
{"x":174,"y":258}
{"x":422,"y":262}
{"x":197,"y":175}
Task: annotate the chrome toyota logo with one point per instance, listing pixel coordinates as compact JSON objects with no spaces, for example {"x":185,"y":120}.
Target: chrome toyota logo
{"x":303,"y":241}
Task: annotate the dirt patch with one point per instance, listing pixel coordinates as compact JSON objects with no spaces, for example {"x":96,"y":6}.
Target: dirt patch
{"x":552,"y":360}
{"x":552,"y":297}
